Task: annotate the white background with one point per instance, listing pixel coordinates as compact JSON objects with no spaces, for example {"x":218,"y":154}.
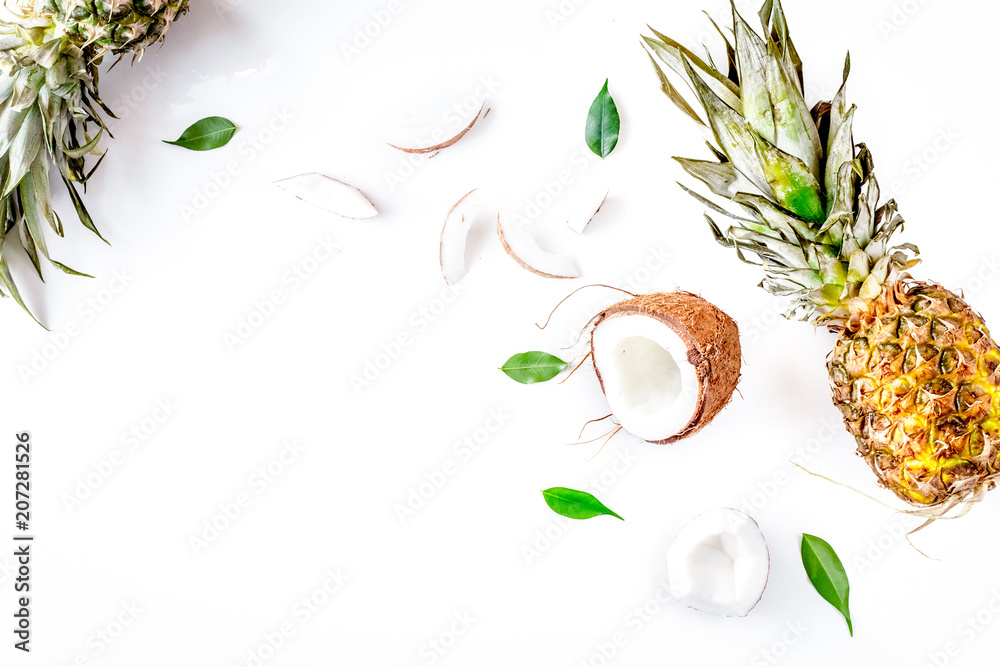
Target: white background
{"x":484,"y":545}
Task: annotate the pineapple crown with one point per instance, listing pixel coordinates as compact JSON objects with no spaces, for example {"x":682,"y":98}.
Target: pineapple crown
{"x":801,"y":197}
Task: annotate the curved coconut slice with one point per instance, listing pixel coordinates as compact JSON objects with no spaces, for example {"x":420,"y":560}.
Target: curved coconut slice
{"x":524,"y":250}
{"x":578,"y":223}
{"x":719,"y":563}
{"x":330,"y":195}
{"x":421,"y":134}
{"x":668,"y":363}
{"x":454,"y":237}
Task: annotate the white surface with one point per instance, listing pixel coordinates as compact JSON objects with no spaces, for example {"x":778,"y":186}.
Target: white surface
{"x":651,"y":387}
{"x":718,"y":564}
{"x":153,"y":326}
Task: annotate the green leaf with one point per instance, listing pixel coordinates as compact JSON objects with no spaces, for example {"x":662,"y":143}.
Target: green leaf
{"x":532,"y":367}
{"x":603,"y":124}
{"x":575,"y":504}
{"x":207,"y":134}
{"x":827,"y":575}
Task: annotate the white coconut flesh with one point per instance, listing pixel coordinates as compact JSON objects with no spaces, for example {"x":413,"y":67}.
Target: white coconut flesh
{"x":524,"y":249}
{"x":455,"y":236}
{"x":330,"y":195}
{"x":651,"y":387}
{"x":719,"y":563}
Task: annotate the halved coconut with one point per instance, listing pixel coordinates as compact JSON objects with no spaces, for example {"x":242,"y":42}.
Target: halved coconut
{"x":524,"y":249}
{"x":667,"y":363}
{"x":719,"y":563}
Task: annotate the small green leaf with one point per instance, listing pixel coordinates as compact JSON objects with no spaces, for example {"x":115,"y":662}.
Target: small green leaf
{"x":207,"y":134}
{"x":575,"y":504}
{"x":827,"y":575}
{"x":532,"y":367}
{"x":603,"y":124}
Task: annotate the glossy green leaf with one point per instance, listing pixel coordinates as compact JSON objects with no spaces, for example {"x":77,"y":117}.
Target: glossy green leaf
{"x":532,"y":367}
{"x":575,"y":504}
{"x":603,"y":124}
{"x":207,"y":134}
{"x":827,"y":575}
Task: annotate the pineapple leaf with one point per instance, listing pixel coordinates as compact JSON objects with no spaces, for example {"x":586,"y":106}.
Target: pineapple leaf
{"x":841,"y":151}
{"x":23,"y":150}
{"x":772,"y":18}
{"x":32,"y":219}
{"x":751,"y":58}
{"x":65,"y":269}
{"x":791,"y":181}
{"x":674,"y":56}
{"x":672,"y":93}
{"x":733,"y":134}
{"x":794,"y":127}
{"x":795,"y":229}
{"x":720,"y":177}
{"x":30,"y":249}
{"x":8,"y":281}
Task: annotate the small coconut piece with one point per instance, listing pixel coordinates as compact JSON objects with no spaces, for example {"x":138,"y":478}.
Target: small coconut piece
{"x":455,"y":236}
{"x":450,"y":141}
{"x":579,"y":223}
{"x":667,"y":363}
{"x":719,"y":563}
{"x":330,"y":195}
{"x":524,"y":250}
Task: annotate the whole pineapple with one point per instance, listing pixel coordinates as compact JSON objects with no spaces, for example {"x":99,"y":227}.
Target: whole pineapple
{"x":914,"y":370}
{"x":50,"y":106}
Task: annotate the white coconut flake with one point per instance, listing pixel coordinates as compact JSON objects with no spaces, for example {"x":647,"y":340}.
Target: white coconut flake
{"x":719,"y":563}
{"x":330,"y":195}
{"x":579,"y":222}
{"x":651,"y":386}
{"x":455,"y":236}
{"x":422,"y":139}
{"x":524,"y":250}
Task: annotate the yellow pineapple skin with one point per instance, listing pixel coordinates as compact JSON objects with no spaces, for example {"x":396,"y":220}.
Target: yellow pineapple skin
{"x":916,"y":375}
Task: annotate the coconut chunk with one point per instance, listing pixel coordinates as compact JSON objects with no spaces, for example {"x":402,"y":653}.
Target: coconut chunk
{"x":415,"y":136}
{"x":330,"y":195}
{"x":524,"y":250}
{"x":719,"y":563}
{"x":579,"y":222}
{"x":668,"y":363}
{"x":455,"y":236}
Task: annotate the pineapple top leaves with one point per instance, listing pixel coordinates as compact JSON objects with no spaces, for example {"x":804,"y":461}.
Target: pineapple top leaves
{"x":800,"y":195}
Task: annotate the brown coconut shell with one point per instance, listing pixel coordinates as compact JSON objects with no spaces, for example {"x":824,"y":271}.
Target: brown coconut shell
{"x":713,"y":348}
